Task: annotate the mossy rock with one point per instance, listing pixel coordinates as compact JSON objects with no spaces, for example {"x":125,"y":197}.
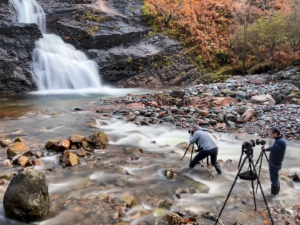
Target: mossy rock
{"x":99,"y":140}
{"x":27,"y":197}
{"x":86,"y":146}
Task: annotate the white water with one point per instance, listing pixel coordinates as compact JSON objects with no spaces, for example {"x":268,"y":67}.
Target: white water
{"x":56,"y":65}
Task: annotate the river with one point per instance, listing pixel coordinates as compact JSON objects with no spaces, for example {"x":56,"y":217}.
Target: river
{"x":39,"y":117}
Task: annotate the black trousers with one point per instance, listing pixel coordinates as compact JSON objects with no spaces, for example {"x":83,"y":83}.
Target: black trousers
{"x":213,"y":153}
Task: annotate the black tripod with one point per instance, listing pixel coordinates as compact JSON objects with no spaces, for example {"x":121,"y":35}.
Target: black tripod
{"x":191,"y":152}
{"x":260,"y":159}
{"x":250,"y":174}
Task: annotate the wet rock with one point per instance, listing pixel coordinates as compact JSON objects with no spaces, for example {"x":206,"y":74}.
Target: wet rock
{"x":158,"y":212}
{"x":81,"y":152}
{"x":136,"y":154}
{"x":177,"y":94}
{"x":131,"y":118}
{"x":1,"y":181}
{"x":37,"y":162}
{"x":225,"y":91}
{"x":213,"y":217}
{"x":296,"y":178}
{"x":23,"y":161}
{"x":5,"y":143}
{"x":174,"y":218}
{"x":263,"y":100}
{"x":19,"y":139}
{"x":6,"y":163}
{"x":50,"y":144}
{"x":129,"y":200}
{"x":277,"y":97}
{"x":99,"y":140}
{"x":38,"y":154}
{"x":169,"y":173}
{"x":62,"y":145}
{"x":27,"y":197}
{"x":8,"y":175}
{"x":230,"y":117}
{"x":166,"y":204}
{"x":86,"y":146}
{"x":76,"y":138}
{"x":69,"y":160}
{"x":18,"y":148}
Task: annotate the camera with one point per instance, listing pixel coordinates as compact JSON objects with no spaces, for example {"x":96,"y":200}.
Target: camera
{"x":191,"y":131}
{"x":260,"y":142}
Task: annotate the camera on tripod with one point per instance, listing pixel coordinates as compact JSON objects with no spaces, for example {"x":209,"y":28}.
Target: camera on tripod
{"x":191,"y":131}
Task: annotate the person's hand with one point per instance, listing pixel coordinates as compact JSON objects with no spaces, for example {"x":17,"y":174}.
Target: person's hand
{"x":263,"y":149}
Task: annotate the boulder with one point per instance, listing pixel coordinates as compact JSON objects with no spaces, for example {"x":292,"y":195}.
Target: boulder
{"x":99,"y":140}
{"x":27,"y":198}
{"x":263,"y":100}
{"x":169,"y":173}
{"x":18,"y":148}
{"x":5,"y":143}
{"x":62,"y":145}
{"x":253,"y":80}
{"x":241,"y":95}
{"x":247,"y":116}
{"x":37,"y":162}
{"x":69,"y":160}
{"x":76,"y":138}
{"x":203,"y":112}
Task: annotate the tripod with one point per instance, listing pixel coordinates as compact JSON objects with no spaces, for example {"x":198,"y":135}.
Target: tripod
{"x":191,"y":152}
{"x":260,"y":158}
{"x":251,"y":174}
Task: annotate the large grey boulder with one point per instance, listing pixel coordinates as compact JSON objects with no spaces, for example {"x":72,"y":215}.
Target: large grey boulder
{"x":263,"y":100}
{"x":27,"y":198}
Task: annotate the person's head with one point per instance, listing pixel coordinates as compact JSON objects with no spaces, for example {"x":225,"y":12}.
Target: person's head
{"x":195,"y":128}
{"x":274,"y":133}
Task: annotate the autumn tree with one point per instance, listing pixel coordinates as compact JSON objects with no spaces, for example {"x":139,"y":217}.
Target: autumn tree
{"x":167,"y":8}
{"x":244,"y":14}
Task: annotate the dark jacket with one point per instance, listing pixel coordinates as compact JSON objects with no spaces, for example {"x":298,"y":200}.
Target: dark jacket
{"x":277,"y":151}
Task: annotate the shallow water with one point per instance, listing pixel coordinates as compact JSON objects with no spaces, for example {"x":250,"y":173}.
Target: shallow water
{"x":116,"y":173}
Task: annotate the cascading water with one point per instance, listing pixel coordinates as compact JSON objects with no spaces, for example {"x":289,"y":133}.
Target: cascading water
{"x":56,"y":65}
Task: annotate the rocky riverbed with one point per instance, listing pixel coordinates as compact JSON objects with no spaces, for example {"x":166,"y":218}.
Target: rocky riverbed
{"x":136,"y":177}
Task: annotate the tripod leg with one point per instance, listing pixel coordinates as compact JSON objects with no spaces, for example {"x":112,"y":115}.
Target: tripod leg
{"x":260,"y":155}
{"x":192,"y":154}
{"x":253,"y":195}
{"x":240,"y":168}
{"x":261,"y":159}
{"x":266,"y":156}
{"x":263,"y":196}
{"x":186,"y":151}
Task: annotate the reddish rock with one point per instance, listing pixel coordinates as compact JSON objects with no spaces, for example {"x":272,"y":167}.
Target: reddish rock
{"x":62,"y":145}
{"x":18,"y":148}
{"x":247,"y":116}
{"x":1,"y":181}
{"x":23,"y":161}
{"x":5,"y":143}
{"x":37,"y":162}
{"x":204,"y":113}
{"x":69,"y":160}
{"x":50,"y":144}
{"x":253,"y":80}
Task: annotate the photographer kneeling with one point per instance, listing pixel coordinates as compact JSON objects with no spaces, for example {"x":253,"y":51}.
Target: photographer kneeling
{"x":277,"y":153}
{"x":209,"y":147}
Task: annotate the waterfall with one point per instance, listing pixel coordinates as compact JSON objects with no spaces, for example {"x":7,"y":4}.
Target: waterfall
{"x":56,"y":65}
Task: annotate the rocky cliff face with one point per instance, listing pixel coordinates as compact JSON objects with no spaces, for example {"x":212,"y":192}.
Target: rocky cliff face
{"x":113,"y":33}
{"x":16,"y":44}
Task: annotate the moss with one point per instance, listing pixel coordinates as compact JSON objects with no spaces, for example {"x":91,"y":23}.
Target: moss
{"x":87,"y":15}
{"x":149,"y":12}
{"x":151,"y":34}
{"x":92,"y":30}
{"x":128,"y":60}
{"x":117,"y":28}
{"x":173,"y":33}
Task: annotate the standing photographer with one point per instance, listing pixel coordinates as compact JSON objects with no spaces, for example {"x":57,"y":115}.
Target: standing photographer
{"x":277,"y":153}
{"x":208,"y":145}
